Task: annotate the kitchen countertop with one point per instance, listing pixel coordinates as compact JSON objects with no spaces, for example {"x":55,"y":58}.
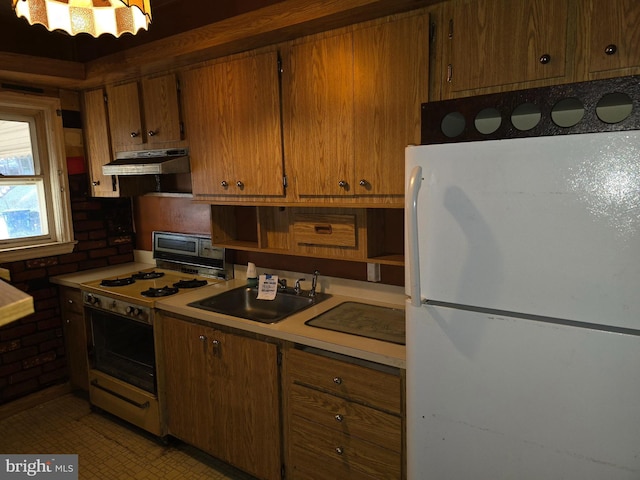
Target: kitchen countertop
{"x":292,"y":328}
{"x":14,"y":304}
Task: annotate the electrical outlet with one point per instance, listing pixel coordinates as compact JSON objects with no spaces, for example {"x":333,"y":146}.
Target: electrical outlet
{"x":373,"y":272}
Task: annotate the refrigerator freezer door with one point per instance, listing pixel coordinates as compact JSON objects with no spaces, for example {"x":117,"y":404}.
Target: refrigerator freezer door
{"x":547,"y":225}
{"x":493,"y":397}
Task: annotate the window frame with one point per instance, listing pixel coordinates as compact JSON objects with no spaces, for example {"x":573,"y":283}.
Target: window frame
{"x":50,"y":162}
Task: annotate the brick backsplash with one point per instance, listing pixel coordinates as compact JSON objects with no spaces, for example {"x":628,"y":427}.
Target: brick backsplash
{"x":32,"y":354}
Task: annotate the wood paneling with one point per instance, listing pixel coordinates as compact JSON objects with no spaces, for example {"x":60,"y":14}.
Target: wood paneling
{"x":172,"y":214}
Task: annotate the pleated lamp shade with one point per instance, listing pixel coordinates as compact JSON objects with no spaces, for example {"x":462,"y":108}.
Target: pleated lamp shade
{"x":94,"y":17}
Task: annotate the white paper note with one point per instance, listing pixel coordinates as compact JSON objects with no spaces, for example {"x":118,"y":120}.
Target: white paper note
{"x":267,"y":287}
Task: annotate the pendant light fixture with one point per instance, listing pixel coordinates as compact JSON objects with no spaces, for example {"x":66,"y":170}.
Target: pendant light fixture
{"x":94,"y":17}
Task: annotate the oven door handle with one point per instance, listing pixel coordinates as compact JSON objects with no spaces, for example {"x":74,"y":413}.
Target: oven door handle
{"x":120,"y":396}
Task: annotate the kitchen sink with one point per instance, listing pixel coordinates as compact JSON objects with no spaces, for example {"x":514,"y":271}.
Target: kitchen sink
{"x":242,"y":302}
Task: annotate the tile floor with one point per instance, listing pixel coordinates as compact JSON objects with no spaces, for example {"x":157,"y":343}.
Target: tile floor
{"x":107,"y":448}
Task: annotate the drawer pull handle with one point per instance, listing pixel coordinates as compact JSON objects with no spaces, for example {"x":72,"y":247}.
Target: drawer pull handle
{"x":339,"y":418}
{"x":339,"y":450}
{"x":337,"y":380}
{"x":323,"y":229}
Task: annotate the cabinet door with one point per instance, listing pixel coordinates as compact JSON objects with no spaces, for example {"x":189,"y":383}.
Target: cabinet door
{"x":318,"y":116}
{"x":246,"y":405}
{"x":97,"y":142}
{"x":615,"y":35}
{"x":391,"y":75}
{"x":493,"y":42}
{"x":232,"y":118}
{"x":161,"y":110}
{"x":200,"y":117}
{"x":76,"y":337}
{"x":187,"y":370}
{"x":124,"y":116}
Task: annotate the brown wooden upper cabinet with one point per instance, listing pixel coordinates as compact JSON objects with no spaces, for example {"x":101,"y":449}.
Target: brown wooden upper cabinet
{"x":232,"y":116}
{"x":614,"y":38}
{"x":489,"y":43}
{"x":351,"y":103}
{"x":97,"y":143}
{"x":145,"y":114}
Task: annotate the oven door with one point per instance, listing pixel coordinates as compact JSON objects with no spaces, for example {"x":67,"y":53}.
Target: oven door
{"x":123,"y":348}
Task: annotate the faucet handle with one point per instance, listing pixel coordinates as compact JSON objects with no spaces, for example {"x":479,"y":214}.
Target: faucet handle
{"x":282,"y":282}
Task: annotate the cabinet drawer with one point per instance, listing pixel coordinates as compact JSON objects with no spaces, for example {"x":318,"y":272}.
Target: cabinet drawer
{"x":321,"y":453}
{"x":125,"y":401}
{"x":71,"y":300}
{"x":354,"y":382}
{"x":328,"y":230}
{"x":347,"y":417}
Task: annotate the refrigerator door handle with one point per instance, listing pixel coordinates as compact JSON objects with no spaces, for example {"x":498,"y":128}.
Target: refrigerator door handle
{"x":413,"y":257}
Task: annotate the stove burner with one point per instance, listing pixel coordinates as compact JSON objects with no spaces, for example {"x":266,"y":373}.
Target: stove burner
{"x":193,"y":283}
{"x":159,"y":292}
{"x":147,"y":275}
{"x":117,"y":282}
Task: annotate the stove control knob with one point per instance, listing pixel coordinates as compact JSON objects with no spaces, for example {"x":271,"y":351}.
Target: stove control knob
{"x":92,"y":300}
{"x":135,"y":311}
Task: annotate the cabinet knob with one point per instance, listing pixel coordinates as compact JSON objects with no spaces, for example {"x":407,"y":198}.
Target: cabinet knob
{"x":224,"y":184}
{"x":152,"y":133}
{"x":363,"y":183}
{"x":239,"y":184}
{"x":337,"y":380}
{"x":338,"y":418}
{"x":339,"y":450}
{"x":95,"y":183}
{"x":68,"y":321}
{"x":70,"y":301}
{"x":544,"y":59}
{"x":202,"y":338}
{"x":610,"y":49}
{"x":134,"y":134}
{"x":342,"y":184}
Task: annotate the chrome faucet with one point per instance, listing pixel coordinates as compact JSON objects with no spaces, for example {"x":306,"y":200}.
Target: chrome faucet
{"x":297,"y":288}
{"x":314,"y":283}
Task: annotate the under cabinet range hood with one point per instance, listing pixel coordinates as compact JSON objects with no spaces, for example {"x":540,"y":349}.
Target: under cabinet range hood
{"x":149,"y":162}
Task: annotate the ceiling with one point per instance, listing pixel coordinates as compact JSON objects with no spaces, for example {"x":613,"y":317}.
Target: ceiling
{"x":169,"y":18}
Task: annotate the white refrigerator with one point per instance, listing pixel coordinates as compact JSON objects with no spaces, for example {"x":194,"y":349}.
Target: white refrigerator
{"x":523,"y":309}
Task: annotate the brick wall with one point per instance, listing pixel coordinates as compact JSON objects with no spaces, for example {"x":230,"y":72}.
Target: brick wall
{"x":32,"y":354}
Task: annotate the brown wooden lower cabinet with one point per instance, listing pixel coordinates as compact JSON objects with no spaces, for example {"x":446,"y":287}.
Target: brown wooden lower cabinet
{"x":76,"y":339}
{"x":222,"y":395}
{"x":343,"y":420}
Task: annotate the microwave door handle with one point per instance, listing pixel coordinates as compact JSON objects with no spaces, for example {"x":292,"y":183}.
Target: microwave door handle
{"x":413,"y":260}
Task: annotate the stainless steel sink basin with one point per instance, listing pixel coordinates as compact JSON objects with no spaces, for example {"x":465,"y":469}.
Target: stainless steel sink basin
{"x":242,"y":302}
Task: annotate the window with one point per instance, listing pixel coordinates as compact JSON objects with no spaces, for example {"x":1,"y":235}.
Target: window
{"x":35,"y":214}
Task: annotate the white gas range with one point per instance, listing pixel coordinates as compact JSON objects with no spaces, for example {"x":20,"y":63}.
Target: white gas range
{"x":120,"y":312}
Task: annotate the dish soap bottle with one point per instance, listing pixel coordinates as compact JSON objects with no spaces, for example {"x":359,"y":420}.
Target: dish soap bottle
{"x":252,"y":276}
